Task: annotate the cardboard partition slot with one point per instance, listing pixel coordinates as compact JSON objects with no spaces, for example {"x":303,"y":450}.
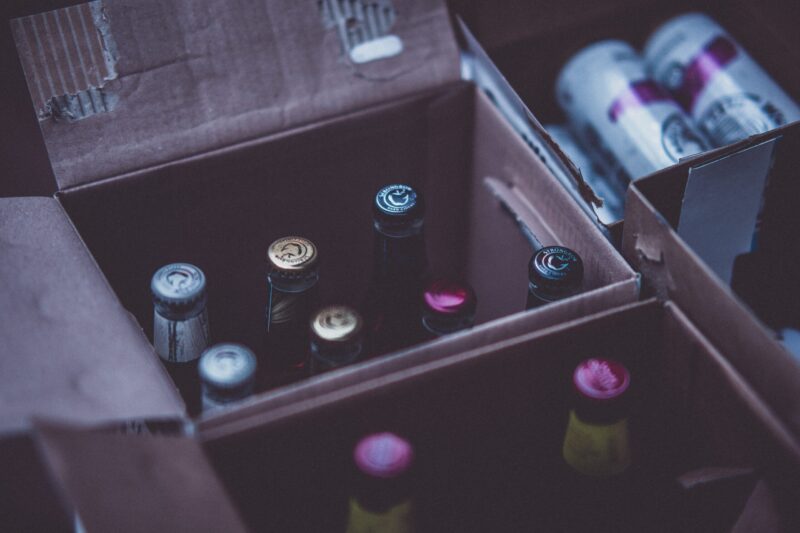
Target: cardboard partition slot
{"x":539,"y":50}
{"x":488,"y":427}
{"x":220,"y":211}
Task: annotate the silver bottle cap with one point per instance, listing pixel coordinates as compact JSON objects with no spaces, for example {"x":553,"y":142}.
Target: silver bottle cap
{"x":179,"y":288}
{"x":227,"y":367}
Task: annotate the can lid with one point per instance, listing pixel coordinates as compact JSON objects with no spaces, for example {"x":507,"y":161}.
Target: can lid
{"x":601,"y":379}
{"x":449,"y":296}
{"x":383,"y":455}
{"x":398,"y":206}
{"x":556,"y":269}
{"x":293,"y":254}
{"x":178,"y":284}
{"x":337,"y":324}
{"x":227,"y":366}
{"x":684,"y":34}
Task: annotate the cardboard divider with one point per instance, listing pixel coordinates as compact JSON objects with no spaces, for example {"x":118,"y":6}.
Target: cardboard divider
{"x":221,"y":211}
{"x":489,"y":460}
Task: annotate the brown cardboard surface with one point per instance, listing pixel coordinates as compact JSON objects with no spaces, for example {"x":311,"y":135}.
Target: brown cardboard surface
{"x":760,"y":513}
{"x":488,"y":422}
{"x":221,"y":211}
{"x":673,"y":271}
{"x":136,"y":483}
{"x":193,"y":76}
{"x":68,"y":348}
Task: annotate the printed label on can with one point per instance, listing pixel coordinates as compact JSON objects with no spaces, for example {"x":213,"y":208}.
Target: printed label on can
{"x":180,"y":341}
{"x":678,"y":138}
{"x":398,"y":519}
{"x":597,"y":450}
{"x":736,"y":117}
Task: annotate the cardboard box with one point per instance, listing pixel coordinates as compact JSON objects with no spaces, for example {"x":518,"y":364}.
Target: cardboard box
{"x":530,"y":42}
{"x":715,"y":456}
{"x":674,"y":270}
{"x":217,"y":135}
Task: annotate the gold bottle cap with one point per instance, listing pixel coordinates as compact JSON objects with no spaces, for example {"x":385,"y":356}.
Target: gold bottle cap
{"x":293,"y":254}
{"x":336,"y":323}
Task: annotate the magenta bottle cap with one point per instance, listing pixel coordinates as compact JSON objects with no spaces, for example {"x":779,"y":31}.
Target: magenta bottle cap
{"x":449,"y":297}
{"x":601,"y":379}
{"x":383,"y":455}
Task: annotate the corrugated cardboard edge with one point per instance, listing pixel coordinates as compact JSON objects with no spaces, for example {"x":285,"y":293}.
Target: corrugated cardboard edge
{"x":677,"y":273}
{"x":357,"y":382}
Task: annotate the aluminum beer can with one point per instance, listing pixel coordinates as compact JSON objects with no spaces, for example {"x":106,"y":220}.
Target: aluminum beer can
{"x":610,"y":188}
{"x":715,"y":80}
{"x":622,"y":114}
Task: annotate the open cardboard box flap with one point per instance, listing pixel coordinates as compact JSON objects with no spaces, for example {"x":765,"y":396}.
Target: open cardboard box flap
{"x":654,"y":209}
{"x":162,"y":80}
{"x":63,"y":324}
{"x":135,"y":483}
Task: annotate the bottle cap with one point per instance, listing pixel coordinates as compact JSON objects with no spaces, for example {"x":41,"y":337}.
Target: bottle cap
{"x":336,"y":324}
{"x":227,"y":366}
{"x":293,"y":255}
{"x":555,"y":270}
{"x":383,"y":455}
{"x":398,"y":207}
{"x":179,"y":289}
{"x":451,"y":297}
{"x":601,"y":379}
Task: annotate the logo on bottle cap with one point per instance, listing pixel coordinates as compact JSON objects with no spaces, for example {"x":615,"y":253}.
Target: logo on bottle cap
{"x":601,"y":379}
{"x":556,"y":267}
{"x":397,"y":199}
{"x":227,"y":366}
{"x":449,"y":296}
{"x":292,"y":253}
{"x":178,"y":283}
{"x":383,"y":455}
{"x":336,"y":323}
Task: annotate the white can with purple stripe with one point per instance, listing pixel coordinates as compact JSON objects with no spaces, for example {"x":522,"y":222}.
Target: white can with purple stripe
{"x":727,"y":93}
{"x":623,"y":115}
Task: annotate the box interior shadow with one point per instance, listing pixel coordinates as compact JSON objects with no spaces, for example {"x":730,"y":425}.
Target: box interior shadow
{"x":220,"y":211}
{"x":488,"y":431}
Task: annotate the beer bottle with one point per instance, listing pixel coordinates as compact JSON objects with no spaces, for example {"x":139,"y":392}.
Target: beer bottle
{"x":180,"y":325}
{"x":336,"y":338}
{"x":293,"y":295}
{"x":227,"y":373}
{"x":448,"y":305}
{"x":554,"y":272}
{"x":381,"y":497}
{"x":596,"y":476}
{"x":400,"y":261}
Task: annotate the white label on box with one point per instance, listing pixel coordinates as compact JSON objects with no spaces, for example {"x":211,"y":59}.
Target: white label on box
{"x":721,"y":205}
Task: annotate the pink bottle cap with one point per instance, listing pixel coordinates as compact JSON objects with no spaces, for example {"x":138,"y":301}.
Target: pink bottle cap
{"x":601,"y":379}
{"x":383,"y":455}
{"x":449,"y":297}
